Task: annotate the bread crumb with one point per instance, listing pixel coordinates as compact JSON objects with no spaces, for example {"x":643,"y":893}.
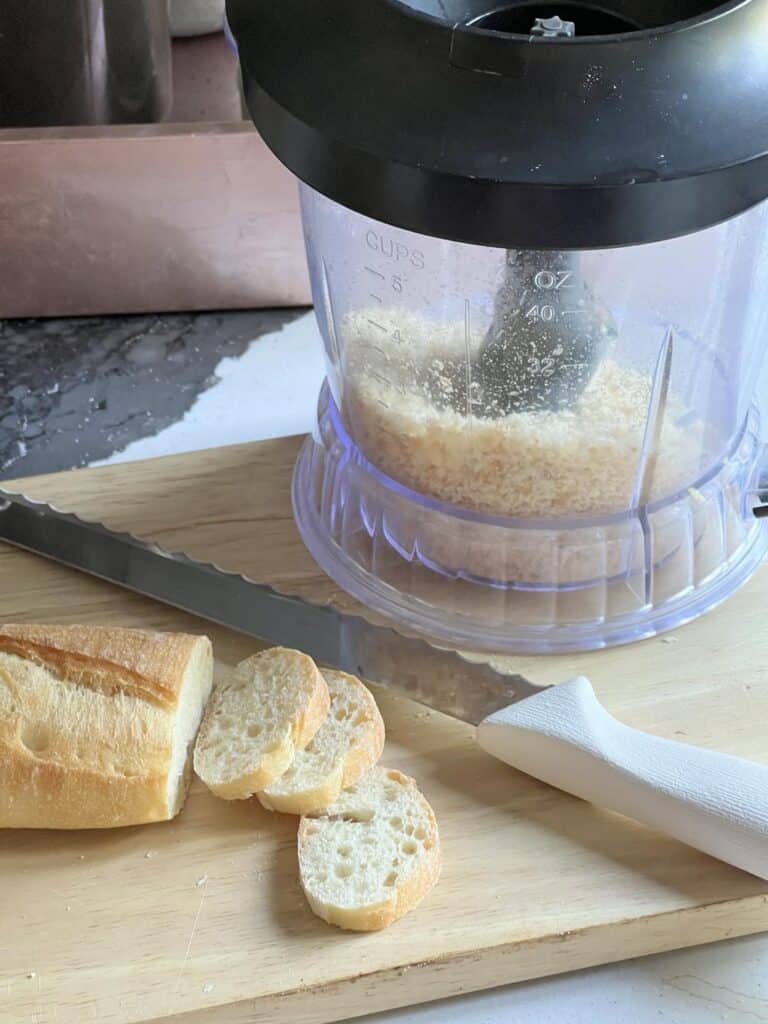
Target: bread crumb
{"x":582,"y":460}
{"x":207,"y":989}
{"x":403,"y":410}
{"x":81,"y":856}
{"x":201,"y":880}
{"x":32,"y":974}
{"x":150,"y":853}
{"x":669,"y":639}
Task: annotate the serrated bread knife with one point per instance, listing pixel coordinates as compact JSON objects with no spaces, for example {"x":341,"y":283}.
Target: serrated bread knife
{"x":560,"y":734}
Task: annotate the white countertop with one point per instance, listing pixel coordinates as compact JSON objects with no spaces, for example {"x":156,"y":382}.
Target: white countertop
{"x":270,"y":392}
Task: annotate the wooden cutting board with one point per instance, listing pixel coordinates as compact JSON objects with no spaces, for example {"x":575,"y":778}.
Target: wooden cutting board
{"x":202,"y":920}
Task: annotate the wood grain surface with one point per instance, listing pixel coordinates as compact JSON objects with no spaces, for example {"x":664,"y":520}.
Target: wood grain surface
{"x":202,"y":919}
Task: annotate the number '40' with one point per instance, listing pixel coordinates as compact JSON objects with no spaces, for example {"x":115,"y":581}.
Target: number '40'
{"x":537,"y":312}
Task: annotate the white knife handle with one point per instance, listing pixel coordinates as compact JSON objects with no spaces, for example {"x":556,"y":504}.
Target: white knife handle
{"x":563,"y":736}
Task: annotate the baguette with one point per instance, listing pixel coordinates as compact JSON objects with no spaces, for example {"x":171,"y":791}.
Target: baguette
{"x":270,"y":707}
{"x":346,"y":746}
{"x":371,"y":856}
{"x":97,"y":724}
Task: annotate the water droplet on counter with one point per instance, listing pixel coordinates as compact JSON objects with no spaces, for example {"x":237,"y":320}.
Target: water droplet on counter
{"x":147,"y":351}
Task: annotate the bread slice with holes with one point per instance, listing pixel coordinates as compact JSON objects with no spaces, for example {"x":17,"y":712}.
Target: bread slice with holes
{"x":97,"y":724}
{"x":348,"y":743}
{"x":371,"y":856}
{"x":271,"y":706}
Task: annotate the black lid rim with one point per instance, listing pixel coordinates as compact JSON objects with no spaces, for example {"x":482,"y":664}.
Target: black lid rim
{"x":655,"y":214}
{"x":388,"y":178}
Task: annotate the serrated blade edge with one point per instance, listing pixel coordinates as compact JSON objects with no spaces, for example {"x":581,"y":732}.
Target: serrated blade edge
{"x":443,"y":680}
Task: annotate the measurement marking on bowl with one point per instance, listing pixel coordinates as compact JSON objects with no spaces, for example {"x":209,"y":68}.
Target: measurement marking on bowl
{"x":468,"y":358}
{"x":375,"y":273}
{"x":379,"y":327}
{"x":376,"y":298}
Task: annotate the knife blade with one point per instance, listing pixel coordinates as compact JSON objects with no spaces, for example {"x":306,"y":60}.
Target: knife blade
{"x":442,"y":680}
{"x":560,"y":735}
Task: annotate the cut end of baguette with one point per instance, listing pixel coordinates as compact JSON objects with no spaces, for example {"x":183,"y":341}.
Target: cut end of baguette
{"x":96,"y":748}
{"x":194,"y":692}
{"x":349,"y":743}
{"x":271,"y":706}
{"x":371,"y":856}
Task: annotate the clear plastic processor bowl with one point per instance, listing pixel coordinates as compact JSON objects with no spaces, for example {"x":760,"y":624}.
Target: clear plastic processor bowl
{"x":607,"y":520}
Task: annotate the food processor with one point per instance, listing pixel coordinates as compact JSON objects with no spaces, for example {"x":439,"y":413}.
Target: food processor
{"x":538,"y":247}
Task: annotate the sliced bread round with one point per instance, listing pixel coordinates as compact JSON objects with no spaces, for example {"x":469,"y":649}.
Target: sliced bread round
{"x":348,"y":743}
{"x":271,"y":706}
{"x":371,"y":856}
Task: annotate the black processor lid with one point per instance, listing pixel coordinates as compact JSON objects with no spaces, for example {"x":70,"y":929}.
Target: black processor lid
{"x":625,"y":121}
